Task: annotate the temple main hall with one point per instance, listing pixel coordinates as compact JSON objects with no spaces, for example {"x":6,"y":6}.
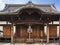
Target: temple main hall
{"x":30,"y":23}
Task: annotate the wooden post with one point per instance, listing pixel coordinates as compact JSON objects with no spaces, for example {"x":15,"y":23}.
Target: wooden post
{"x":7,"y":22}
{"x":59,"y":30}
{"x":29,"y":37}
{"x":12,"y":33}
{"x":38,"y":31}
{"x":47,"y":34}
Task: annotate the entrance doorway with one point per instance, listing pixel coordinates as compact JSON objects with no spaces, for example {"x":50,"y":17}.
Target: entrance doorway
{"x":36,"y":34}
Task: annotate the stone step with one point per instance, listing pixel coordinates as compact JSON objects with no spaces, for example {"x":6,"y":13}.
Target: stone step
{"x":29,"y":44}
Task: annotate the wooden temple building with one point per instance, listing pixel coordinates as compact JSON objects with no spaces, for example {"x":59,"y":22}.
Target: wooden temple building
{"x":29,"y":21}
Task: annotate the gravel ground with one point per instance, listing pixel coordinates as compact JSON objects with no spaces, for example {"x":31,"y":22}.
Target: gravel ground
{"x":28,"y":44}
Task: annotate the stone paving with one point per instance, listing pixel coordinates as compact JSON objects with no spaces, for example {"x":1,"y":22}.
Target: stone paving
{"x":29,"y":44}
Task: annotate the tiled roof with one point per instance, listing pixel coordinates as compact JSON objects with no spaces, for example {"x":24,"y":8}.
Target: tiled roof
{"x":13,"y":8}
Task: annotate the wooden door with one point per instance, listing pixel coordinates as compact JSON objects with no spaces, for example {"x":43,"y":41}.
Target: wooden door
{"x":41,"y":31}
{"x":6,"y":30}
{"x":21,"y":31}
{"x":34,"y":31}
{"x":38,"y":31}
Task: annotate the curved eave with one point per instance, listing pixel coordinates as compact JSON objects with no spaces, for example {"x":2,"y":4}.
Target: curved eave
{"x":50,"y":13}
{"x":8,"y":13}
{"x":29,"y":4}
{"x":11,"y":5}
{"x":15,"y":13}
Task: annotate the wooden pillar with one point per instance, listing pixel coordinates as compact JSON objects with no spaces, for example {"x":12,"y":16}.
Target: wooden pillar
{"x":59,"y":31}
{"x":38,"y":31}
{"x":12,"y":33}
{"x":7,"y":22}
{"x":52,"y":22}
{"x":47,"y":34}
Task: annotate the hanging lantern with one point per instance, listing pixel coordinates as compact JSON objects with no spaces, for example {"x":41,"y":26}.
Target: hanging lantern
{"x":29,"y":30}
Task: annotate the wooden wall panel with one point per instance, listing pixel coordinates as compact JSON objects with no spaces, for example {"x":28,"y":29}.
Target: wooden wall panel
{"x":34,"y":31}
{"x":38,"y":31}
{"x":7,"y":30}
{"x":17,"y":31}
{"x":53,"y":31}
{"x":21,"y":31}
{"x":41,"y":31}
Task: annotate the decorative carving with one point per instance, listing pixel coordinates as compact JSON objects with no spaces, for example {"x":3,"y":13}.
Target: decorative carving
{"x":29,"y":4}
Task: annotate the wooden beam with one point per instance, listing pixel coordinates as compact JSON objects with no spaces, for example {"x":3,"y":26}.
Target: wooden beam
{"x":12,"y":33}
{"x":47,"y":34}
{"x":38,"y":31}
{"x":31,"y":23}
